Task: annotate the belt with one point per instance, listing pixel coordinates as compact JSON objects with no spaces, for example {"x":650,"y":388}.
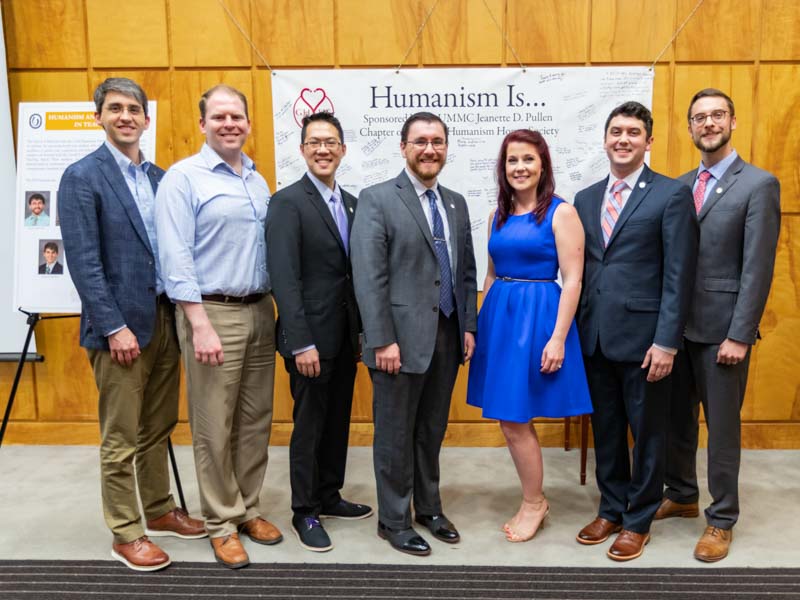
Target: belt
{"x":528,"y":280}
{"x":249,"y":299}
{"x":163,"y":299}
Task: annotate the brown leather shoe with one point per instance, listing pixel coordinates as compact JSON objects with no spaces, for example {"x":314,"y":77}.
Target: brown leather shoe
{"x":597,"y":531}
{"x":176,"y":523}
{"x":261,"y":531}
{"x":141,"y":555}
{"x":628,"y":545}
{"x":713,"y":544}
{"x":669,"y":509}
{"x":229,"y":552}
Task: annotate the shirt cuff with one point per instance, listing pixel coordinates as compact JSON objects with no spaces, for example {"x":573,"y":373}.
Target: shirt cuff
{"x":672,"y":351}
{"x":301,"y":350}
{"x":117,"y":330}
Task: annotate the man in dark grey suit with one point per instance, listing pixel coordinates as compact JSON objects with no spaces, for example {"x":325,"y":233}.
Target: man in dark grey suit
{"x":308,"y":233}
{"x":127,"y":325}
{"x":738,"y":208}
{"x":641,"y":249}
{"x":414,"y":274}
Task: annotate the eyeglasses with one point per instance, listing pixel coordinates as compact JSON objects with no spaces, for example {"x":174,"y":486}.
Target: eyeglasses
{"x":438,"y":144}
{"x":718,"y":116}
{"x":317,"y":144}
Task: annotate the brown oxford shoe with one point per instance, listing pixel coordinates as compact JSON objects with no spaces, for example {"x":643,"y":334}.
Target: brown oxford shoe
{"x":670,"y":509}
{"x":713,"y":544}
{"x":141,"y":555}
{"x":628,"y":545}
{"x":261,"y":531}
{"x":176,"y":523}
{"x":229,"y":552}
{"x":597,"y":531}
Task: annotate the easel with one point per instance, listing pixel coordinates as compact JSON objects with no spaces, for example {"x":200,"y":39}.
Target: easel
{"x":33,"y":319}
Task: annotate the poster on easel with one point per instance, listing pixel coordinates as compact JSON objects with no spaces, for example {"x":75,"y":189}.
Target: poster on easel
{"x":50,"y":137}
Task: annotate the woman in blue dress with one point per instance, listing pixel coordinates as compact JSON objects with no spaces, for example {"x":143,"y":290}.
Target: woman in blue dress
{"x":528,"y":361}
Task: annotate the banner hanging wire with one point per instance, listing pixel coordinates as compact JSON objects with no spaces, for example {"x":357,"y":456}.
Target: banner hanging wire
{"x":244,"y":35}
{"x":416,"y":38}
{"x":505,"y":37}
{"x":675,"y":35}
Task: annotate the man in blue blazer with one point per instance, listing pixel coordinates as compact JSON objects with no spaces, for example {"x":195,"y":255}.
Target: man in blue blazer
{"x":641,"y":250}
{"x":127,"y":325}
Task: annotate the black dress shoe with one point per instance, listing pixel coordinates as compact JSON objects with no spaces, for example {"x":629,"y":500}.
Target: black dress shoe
{"x":404,"y":540}
{"x":311,"y":534}
{"x":347,"y":510}
{"x":440,"y":526}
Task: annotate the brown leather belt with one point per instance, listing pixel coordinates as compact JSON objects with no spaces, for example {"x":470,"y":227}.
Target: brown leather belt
{"x":249,"y":299}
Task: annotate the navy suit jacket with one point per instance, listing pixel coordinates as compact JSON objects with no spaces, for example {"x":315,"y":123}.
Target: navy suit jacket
{"x":636,"y":290}
{"x":57,"y":269}
{"x":110,"y":258}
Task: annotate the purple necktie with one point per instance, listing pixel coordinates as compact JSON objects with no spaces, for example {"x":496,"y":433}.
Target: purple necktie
{"x":341,"y":220}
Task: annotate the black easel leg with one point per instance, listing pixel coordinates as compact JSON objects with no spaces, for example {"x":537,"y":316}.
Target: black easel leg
{"x":175,"y":473}
{"x":33,"y":318}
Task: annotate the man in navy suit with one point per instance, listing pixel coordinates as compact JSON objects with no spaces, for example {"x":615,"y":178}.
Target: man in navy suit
{"x":641,"y":250}
{"x":50,"y":266}
{"x":308,"y":250}
{"x":127,"y":325}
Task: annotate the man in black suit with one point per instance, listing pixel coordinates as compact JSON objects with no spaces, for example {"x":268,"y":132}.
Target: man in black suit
{"x":50,"y":266}
{"x":641,"y":250}
{"x":308,"y":232}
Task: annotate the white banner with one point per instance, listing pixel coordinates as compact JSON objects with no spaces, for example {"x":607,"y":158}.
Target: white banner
{"x":50,"y":137}
{"x":568,"y":106}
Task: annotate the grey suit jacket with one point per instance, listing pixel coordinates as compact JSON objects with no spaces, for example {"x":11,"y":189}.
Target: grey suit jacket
{"x":396,"y":273}
{"x":739,"y":226}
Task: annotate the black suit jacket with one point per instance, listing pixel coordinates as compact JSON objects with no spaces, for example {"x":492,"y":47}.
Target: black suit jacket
{"x":58,"y":269}
{"x":310,"y":271}
{"x":636,"y":291}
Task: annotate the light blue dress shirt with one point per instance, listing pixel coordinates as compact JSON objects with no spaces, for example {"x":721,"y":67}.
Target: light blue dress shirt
{"x":40,"y":220}
{"x":142,"y":191}
{"x":717,"y":171}
{"x":210,"y":228}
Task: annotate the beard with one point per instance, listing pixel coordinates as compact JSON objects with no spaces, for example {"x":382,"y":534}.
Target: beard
{"x":712,"y":145}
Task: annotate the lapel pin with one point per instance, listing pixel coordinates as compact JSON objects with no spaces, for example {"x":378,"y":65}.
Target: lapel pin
{"x":452,"y":206}
{"x":351,"y":209}
{"x":719,"y":190}
{"x":641,"y":184}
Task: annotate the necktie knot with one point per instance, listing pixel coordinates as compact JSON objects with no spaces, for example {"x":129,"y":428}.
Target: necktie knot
{"x":618,"y":186}
{"x":704,"y":176}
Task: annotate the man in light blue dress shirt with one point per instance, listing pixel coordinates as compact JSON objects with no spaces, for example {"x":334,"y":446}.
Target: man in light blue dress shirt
{"x":210,"y":215}
{"x":38,"y":216}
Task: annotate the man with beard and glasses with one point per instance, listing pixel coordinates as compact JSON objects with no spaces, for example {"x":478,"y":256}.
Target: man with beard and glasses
{"x":738,"y":209}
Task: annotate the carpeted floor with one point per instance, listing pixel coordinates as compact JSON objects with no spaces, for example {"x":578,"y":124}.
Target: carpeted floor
{"x":56,"y":580}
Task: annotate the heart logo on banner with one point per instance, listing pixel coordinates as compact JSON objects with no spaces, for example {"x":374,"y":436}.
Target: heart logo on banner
{"x":310,"y":101}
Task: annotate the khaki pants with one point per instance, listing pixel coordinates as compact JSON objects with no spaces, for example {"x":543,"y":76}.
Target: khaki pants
{"x":230,"y":411}
{"x":138,"y":409}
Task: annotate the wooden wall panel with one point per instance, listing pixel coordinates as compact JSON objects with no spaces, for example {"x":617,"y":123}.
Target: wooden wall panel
{"x":662,"y":132}
{"x":780,"y":30}
{"x":737,"y":81}
{"x":128,"y":34}
{"x":45,"y":34}
{"x":462,"y":32}
{"x":775,"y":144}
{"x":721,"y":30}
{"x":292,"y":33}
{"x":378,"y":32}
{"x":25,"y":400}
{"x":615,"y":21}
{"x":190,"y":19}
{"x":548,"y":31}
{"x":263,"y":125}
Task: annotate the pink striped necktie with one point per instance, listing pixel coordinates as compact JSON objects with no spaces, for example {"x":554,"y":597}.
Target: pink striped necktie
{"x":612,"y":210}
{"x":700,"y":190}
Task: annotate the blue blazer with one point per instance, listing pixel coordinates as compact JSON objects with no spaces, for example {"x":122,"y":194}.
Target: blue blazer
{"x":636,"y":291}
{"x":110,"y":258}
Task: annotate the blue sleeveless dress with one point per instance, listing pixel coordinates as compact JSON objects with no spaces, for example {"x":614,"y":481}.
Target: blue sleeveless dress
{"x":514,"y":325}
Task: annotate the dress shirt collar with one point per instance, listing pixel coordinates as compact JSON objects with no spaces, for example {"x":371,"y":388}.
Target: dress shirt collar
{"x":124,"y":162}
{"x":214,"y":160}
{"x":630,"y":180}
{"x":719,"y":169}
{"x":420,"y":188}
{"x":323,"y":189}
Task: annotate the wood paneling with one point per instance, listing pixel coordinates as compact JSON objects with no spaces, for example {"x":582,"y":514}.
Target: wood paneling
{"x":292,"y":33}
{"x":378,"y":32}
{"x":45,"y":34}
{"x":548,"y":31}
{"x":263,"y":126}
{"x":780,"y":30}
{"x":720,"y":30}
{"x":462,"y":32}
{"x":25,"y":400}
{"x":631,"y":30}
{"x":775,"y":143}
{"x":129,"y":34}
{"x":189,"y":19}
{"x":662,"y":131}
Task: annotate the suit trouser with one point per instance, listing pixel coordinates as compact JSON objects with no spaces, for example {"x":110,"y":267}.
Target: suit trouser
{"x":720,"y":389}
{"x":230,"y":411}
{"x":410,"y":412}
{"x":138,"y":409}
{"x":621,"y":396}
{"x":318,"y":448}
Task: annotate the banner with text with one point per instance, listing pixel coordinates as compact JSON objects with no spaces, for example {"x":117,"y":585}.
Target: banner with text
{"x":480,"y":106}
{"x":50,"y":137}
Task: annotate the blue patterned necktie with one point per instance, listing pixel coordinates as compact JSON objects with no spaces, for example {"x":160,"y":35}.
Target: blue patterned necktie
{"x":341,"y":221}
{"x":440,"y":243}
